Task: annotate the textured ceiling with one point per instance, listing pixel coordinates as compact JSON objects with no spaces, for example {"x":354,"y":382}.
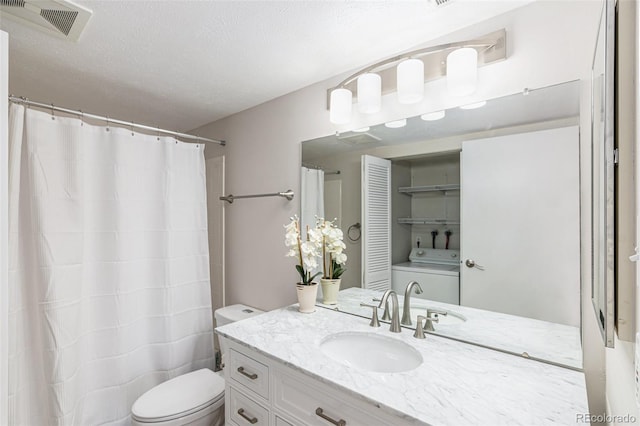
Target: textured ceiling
{"x":182,"y":64}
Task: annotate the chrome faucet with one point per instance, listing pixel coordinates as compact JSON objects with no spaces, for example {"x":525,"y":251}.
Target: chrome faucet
{"x":374,"y":316}
{"x":432,"y":317}
{"x":419,"y":333}
{"x":406,"y":307}
{"x":385,"y":314}
{"x":395,"y":316}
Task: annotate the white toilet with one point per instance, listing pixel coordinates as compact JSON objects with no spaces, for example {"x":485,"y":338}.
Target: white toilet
{"x":196,"y":398}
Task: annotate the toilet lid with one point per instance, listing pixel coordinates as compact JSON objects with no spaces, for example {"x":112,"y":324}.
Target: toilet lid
{"x":179,"y":396}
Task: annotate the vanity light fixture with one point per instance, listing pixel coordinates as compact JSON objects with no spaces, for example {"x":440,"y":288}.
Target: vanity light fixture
{"x":433,"y":116}
{"x":458,"y":61}
{"x":369,"y":93}
{"x":396,"y":124}
{"x":410,"y":81}
{"x":474,"y":105}
{"x":462,"y":71}
{"x":340,"y":110}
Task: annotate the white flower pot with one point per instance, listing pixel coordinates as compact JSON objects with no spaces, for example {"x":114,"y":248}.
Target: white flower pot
{"x":330,"y":289}
{"x":307,"y":297}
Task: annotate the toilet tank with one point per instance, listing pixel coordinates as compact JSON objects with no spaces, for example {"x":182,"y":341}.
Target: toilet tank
{"x":234,"y":313}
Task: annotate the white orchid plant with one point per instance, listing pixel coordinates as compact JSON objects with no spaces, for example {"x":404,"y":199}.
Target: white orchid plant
{"x":306,"y":252}
{"x":333,"y":256}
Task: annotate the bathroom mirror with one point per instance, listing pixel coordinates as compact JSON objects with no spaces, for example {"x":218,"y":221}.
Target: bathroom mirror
{"x":460,"y":181}
{"x":602,"y":150}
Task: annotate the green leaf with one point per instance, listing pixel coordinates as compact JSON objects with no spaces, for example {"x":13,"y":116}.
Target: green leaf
{"x":311,"y":279}
{"x":301,"y":272}
{"x":338,"y":270}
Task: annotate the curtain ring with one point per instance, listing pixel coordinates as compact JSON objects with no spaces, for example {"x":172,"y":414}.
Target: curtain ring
{"x":107,"y":123}
{"x":132,"y":134}
{"x":158,"y":132}
{"x":81,"y":118}
{"x":53,"y":117}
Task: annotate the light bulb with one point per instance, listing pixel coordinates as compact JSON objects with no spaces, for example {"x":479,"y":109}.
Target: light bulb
{"x":396,"y":124}
{"x":340,"y":106}
{"x":433,"y":116}
{"x":474,"y":105}
{"x":462,"y":71}
{"x":369,"y":93}
{"x":410,"y":81}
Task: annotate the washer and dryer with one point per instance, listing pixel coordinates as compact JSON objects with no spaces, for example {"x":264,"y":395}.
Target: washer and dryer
{"x":436,"y":270}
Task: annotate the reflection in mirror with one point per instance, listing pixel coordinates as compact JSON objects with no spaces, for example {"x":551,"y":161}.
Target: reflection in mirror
{"x":602,"y":128}
{"x":484,"y":216}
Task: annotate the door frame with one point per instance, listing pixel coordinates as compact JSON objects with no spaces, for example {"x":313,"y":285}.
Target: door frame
{"x":4,"y":228}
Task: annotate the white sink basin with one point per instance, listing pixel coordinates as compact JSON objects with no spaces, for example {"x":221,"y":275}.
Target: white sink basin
{"x":371,"y":352}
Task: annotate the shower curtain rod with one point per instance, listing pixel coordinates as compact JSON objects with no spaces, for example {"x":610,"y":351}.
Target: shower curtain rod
{"x":25,"y":101}
{"x":326,"y":172}
{"x":288,"y":194}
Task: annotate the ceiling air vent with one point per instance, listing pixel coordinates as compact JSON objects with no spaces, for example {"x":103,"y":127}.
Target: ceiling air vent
{"x":358,"y":138}
{"x":441,"y":2}
{"x":12,"y":3}
{"x":57,"y":17}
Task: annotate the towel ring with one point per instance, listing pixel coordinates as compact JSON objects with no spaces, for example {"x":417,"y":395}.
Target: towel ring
{"x":354,"y":229}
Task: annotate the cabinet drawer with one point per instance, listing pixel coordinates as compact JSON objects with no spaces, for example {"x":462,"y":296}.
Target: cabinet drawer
{"x":250,"y":373}
{"x":308,"y":403}
{"x":281,"y":422}
{"x":245,"y":411}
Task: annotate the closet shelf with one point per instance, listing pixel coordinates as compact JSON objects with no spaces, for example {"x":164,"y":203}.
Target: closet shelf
{"x":428,"y":188}
{"x":426,"y":221}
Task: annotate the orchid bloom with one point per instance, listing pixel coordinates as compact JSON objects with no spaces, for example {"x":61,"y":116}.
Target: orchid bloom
{"x":332,"y":248}
{"x":305,"y":252}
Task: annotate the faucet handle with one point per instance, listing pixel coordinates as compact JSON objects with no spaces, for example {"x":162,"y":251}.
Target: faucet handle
{"x":385,"y":316}
{"x":419,"y":333}
{"x":374,"y":316}
{"x":432,"y":317}
{"x":435,"y":312}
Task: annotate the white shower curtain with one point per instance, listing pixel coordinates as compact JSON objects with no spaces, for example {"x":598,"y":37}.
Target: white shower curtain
{"x":109,"y":276}
{"x":312,"y":198}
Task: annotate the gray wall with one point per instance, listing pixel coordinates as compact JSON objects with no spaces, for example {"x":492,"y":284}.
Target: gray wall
{"x":548,"y":42}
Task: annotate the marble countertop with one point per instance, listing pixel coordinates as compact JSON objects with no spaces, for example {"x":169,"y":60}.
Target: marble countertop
{"x":457,"y":384}
{"x":543,"y":340}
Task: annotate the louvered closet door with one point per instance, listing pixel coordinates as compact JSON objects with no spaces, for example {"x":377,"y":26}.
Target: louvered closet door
{"x":376,"y":223}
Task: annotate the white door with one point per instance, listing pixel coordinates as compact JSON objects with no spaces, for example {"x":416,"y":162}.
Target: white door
{"x":376,"y":223}
{"x":520,"y":217}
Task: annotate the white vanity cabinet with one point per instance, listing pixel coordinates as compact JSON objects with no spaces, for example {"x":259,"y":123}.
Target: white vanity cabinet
{"x":277,"y":373}
{"x":262,"y":391}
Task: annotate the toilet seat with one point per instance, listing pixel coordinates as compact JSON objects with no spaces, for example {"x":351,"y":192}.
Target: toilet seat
{"x":179,"y":397}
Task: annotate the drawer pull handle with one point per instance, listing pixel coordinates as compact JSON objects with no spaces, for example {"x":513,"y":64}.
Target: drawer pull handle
{"x":244,"y":373}
{"x":320,"y":412}
{"x":251,"y":420}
